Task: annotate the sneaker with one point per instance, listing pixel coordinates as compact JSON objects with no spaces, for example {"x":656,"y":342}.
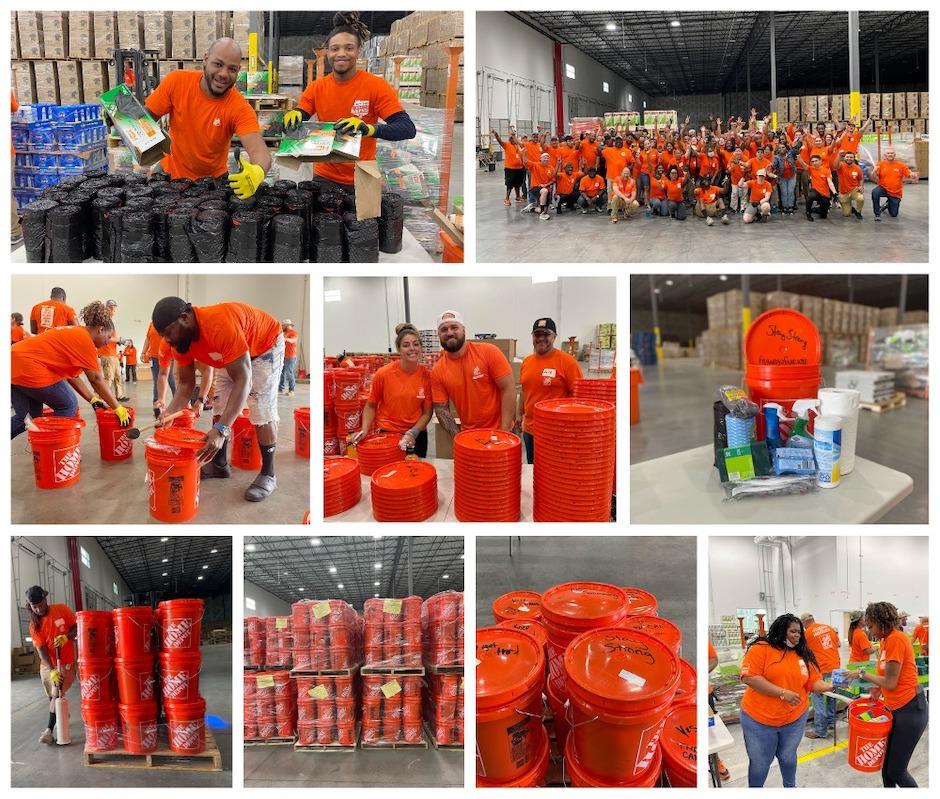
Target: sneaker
{"x":584,"y":210}
{"x":809,"y":217}
{"x":709,"y":221}
{"x":877,"y":217}
{"x":507,"y":202}
{"x":544,"y":216}
{"x":16,"y":241}
{"x":598,"y":209}
{"x":261,"y":488}
{"x":528,"y":208}
{"x":211,"y":469}
{"x":856,"y":213}
{"x":47,"y":737}
{"x":613,"y":220}
{"x":813,"y":734}
{"x":725,"y":220}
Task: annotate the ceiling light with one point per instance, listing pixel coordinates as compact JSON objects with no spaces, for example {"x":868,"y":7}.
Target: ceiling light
{"x":199,"y":577}
{"x":213,"y":551}
{"x":285,"y":574}
{"x":670,"y":283}
{"x":164,"y":540}
{"x":445,"y":576}
{"x":461,"y":555}
{"x":376,"y":583}
{"x":165,"y":560}
{"x":332,"y":570}
{"x":376,"y":596}
{"x":376,"y":537}
{"x":340,"y":586}
{"x":722,"y":278}
{"x":675,"y":23}
{"x":657,"y":291}
{"x":315,"y":542}
{"x":205,"y":566}
{"x":378,"y":566}
{"x":611,"y":26}
{"x":164,"y":574}
{"x":249,"y":547}
{"x":301,"y":589}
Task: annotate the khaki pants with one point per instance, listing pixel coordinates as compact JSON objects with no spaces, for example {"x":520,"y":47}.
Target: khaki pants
{"x":854,"y":198}
{"x":706,"y":209}
{"x":68,"y":672}
{"x":111,"y":370}
{"x":619,"y":204}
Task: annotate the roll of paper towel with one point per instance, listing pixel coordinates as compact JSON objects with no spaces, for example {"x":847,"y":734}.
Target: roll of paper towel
{"x":843,"y":402}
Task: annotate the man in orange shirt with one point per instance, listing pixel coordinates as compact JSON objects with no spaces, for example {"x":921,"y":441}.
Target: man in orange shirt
{"x":851,"y":180}
{"x":475,"y":376}
{"x":541,"y":183}
{"x":130,"y":362}
{"x":547,"y":373}
{"x":821,"y":187}
{"x":566,"y":187}
{"x":151,"y":355}
{"x":890,"y":175}
{"x":589,"y":151}
{"x":623,"y":197}
{"x":592,"y":191}
{"x":736,"y":167}
{"x":245,"y":346}
{"x":108,"y":357}
{"x":616,"y":158}
{"x":513,"y":171}
{"x":823,"y":642}
{"x":758,"y":206}
{"x":289,"y":372}
{"x":51,"y":313}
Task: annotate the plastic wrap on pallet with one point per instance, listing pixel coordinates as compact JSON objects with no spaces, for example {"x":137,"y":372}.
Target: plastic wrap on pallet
{"x":392,"y":633}
{"x":64,"y":234}
{"x":327,"y":238}
{"x":391,"y":222}
{"x":269,"y":703}
{"x":326,"y":635}
{"x":442,"y":623}
{"x":326,"y":710}
{"x":208,"y":233}
{"x":904,"y":350}
{"x":137,"y":238}
{"x":361,"y":239}
{"x":391,"y":708}
{"x":34,"y":229}
{"x":444,"y":708}
{"x":287,"y":238}
{"x":100,"y":206}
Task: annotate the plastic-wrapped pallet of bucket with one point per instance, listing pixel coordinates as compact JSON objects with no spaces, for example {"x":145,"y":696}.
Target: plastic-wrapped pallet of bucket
{"x":278,"y":642}
{"x":255,"y":642}
{"x":562,"y":428}
{"x":173,"y":473}
{"x":442,"y":628}
{"x":302,"y":432}
{"x":603,"y":389}
{"x":487,"y":476}
{"x":326,"y":636}
{"x":392,"y":633}
{"x":97,"y":680}
{"x":517,"y":605}
{"x":378,"y":450}
{"x":679,"y":747}
{"x":444,"y":709}
{"x":326,"y":712}
{"x":659,"y":628}
{"x":56,"y":445}
{"x":512,"y":744}
{"x":342,"y":486}
{"x":404,"y":492}
{"x":391,"y":710}
{"x":269,"y":703}
{"x":112,"y":438}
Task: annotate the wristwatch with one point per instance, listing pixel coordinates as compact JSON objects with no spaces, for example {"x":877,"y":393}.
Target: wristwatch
{"x":225,"y":431}
{"x":783,"y":697}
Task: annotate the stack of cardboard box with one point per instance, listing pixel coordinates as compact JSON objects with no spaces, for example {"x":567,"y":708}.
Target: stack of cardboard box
{"x":899,"y":112}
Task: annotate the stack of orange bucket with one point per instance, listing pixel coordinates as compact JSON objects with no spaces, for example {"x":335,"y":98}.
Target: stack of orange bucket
{"x":57,"y":454}
{"x":134,"y":668}
{"x":302,"y":432}
{"x":112,"y":438}
{"x":517,"y":605}
{"x":347,"y":402}
{"x":331,"y":439}
{"x":180,"y":663}
{"x":326,"y":710}
{"x":574,"y":437}
{"x":342,"y":487}
{"x":278,"y":641}
{"x":173,"y":473}
{"x":679,"y":746}
{"x":444,"y":708}
{"x":391,"y":708}
{"x":442,"y":624}
{"x":392,"y":632}
{"x":487,"y":476}
{"x":245,"y":453}
{"x":270,"y":705}
{"x":255,"y":641}
{"x":404,"y":492}
{"x":97,"y":679}
{"x":378,"y":450}
{"x":325,"y":635}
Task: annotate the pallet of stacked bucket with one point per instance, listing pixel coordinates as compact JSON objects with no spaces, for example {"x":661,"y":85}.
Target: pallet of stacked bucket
{"x":326,"y":713}
{"x":442,"y":630}
{"x":254,"y":643}
{"x":444,"y":706}
{"x":268,"y":643}
{"x":270,"y":708}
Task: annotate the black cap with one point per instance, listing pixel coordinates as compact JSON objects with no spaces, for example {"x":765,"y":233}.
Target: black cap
{"x":36,"y":594}
{"x":167,"y":311}
{"x":544,"y":324}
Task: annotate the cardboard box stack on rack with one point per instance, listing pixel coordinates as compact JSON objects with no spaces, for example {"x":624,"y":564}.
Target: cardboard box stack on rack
{"x":605,"y":348}
{"x":899,"y":112}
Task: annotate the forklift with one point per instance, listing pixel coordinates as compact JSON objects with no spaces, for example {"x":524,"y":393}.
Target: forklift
{"x":145,"y":68}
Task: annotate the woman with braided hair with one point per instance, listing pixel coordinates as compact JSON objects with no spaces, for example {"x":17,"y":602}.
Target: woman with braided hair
{"x":780,"y":671}
{"x":43,"y":368}
{"x":896,"y":684}
{"x":354,"y":100}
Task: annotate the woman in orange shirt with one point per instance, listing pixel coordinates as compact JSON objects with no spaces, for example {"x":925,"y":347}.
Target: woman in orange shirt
{"x":897,"y":686}
{"x":513,"y":171}
{"x":860,"y":647}
{"x":17,"y":331}
{"x":400,"y":396}
{"x":780,"y":671}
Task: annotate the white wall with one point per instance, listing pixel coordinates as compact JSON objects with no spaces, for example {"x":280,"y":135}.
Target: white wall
{"x":365,"y":319}
{"x":266,"y":604}
{"x":584,"y":94}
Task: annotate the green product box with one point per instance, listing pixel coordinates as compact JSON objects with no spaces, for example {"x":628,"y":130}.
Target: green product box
{"x":137,"y":129}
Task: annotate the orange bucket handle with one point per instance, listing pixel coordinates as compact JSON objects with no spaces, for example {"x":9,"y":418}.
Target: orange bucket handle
{"x":569,"y":717}
{"x":149,"y":481}
{"x":539,"y":716}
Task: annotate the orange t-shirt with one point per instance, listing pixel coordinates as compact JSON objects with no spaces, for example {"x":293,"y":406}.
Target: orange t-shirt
{"x":657,"y":188}
{"x":592,"y":186}
{"x":17,"y":334}
{"x":707,"y":166}
{"x":569,"y":155}
{"x":227,"y":331}
{"x":711,"y":654}
{"x":857,"y":646}
{"x":823,"y":642}
{"x":708,"y":195}
{"x":921,"y":633}
{"x":626,"y":186}
{"x":201,"y":127}
{"x":130,"y":355}
{"x":513,"y":157}
{"x":758,"y":163}
{"x":533,"y":152}
{"x":891,"y":176}
{"x":758,"y":193}
{"x":540,"y":174}
{"x":290,"y":344}
{"x":737,"y":171}
{"x":616,"y":160}
{"x":56,"y":355}
{"x":554,"y":155}
{"x":647,"y":160}
{"x":399,"y":397}
{"x":152,"y":344}
{"x":588,"y":150}
{"x":850,"y":177}
{"x":366,"y":96}
{"x":819,"y":179}
{"x":470,"y":381}
{"x":109,"y":350}
{"x":674,"y":189}
{"x":897,"y":647}
{"x":566,"y":184}
{"x":546,"y":377}
{"x":52,"y":313}
{"x":850,"y":141}
{"x":787,"y":670}
{"x":58,"y":621}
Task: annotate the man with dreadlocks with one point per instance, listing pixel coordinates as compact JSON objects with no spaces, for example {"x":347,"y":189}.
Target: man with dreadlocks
{"x":897,"y":686}
{"x":354,"y":100}
{"x":780,"y":671}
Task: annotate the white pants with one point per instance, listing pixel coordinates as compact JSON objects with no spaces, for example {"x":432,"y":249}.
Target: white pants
{"x":738,"y":197}
{"x":262,"y":394}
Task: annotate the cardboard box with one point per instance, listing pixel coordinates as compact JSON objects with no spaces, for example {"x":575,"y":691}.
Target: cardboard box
{"x":47,"y":88}
{"x":923,"y":103}
{"x":793,"y":109}
{"x":104,"y":26}
{"x":142,"y":135}
{"x":922,"y":156}
{"x":240,"y":30}
{"x":14,"y":38}
{"x":81,"y":34}
{"x":29,"y":27}
{"x":835,"y":106}
{"x":887,"y":105}
{"x":863,"y":106}
{"x":209,"y":26}
{"x":182,"y":35}
{"x":24,"y":82}
{"x":810,"y":108}
{"x":291,"y":70}
{"x":55,"y":34}
{"x":130,"y":30}
{"x":822,"y":107}
{"x":874,"y":106}
{"x":157,"y":32}
{"x":920,"y":126}
{"x":780,"y":107}
{"x":900,"y":105}
{"x":94,"y":78}
{"x":507,"y":346}
{"x":166,"y":67}
{"x":70,"y":83}
{"x":846,"y":106}
{"x":24,"y":661}
{"x":912,"y":104}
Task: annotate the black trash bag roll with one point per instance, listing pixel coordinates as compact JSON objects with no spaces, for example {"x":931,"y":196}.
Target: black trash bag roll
{"x":138,"y":191}
{"x":116,"y":179}
{"x":349,"y":204}
{"x":361,"y":239}
{"x":245,"y":237}
{"x":213,"y":204}
{"x":139,"y":203}
{"x":83,"y":199}
{"x":205,"y":184}
{"x":112,"y":191}
{"x":159,"y":177}
{"x":96,"y":185}
{"x":179,"y":245}
{"x":298,"y":203}
{"x":236,"y":204}
{"x":284,"y":186}
{"x":99,"y":207}
{"x":208,"y":234}
{"x":57,"y":195}
{"x":161,"y":232}
{"x":111,"y":234}
{"x":327,"y":239}
{"x":164,"y":201}
{"x":330,"y":201}
{"x":181,"y":184}
{"x":34,"y":229}
{"x":287,"y":239}
{"x":95,"y":174}
{"x":72,"y":182}
{"x":314,"y":188}
{"x":64,"y":234}
{"x":137,"y":238}
{"x":135,"y":179}
{"x":271,"y":204}
{"x":391,"y":222}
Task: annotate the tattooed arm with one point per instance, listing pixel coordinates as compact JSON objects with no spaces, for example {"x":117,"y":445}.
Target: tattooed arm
{"x":446,"y":418}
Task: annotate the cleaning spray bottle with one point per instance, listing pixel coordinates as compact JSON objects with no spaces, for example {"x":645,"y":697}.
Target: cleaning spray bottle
{"x":801,"y":435}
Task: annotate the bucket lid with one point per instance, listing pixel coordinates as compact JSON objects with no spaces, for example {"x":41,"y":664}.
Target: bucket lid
{"x":583,"y":604}
{"x":641,"y":603}
{"x":55,"y":424}
{"x":518,"y":604}
{"x":679,"y":738}
{"x":379,"y":441}
{"x":687,"y":683}
{"x":615,"y":668}
{"x":486,"y":441}
{"x":661,"y":629}
{"x":509,"y":664}
{"x":404,"y":476}
{"x":180,"y":437}
{"x":564,"y":408}
{"x":134,"y":610}
{"x":782,"y":337}
{"x":338,"y":467}
{"x":528,"y":626}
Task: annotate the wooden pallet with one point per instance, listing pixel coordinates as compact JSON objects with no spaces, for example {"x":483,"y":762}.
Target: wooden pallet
{"x":404,"y":671}
{"x":335,"y":747}
{"x":436,"y":745}
{"x":350,"y":672}
{"x":287,"y":741}
{"x":899,"y":400}
{"x":163,"y":759}
{"x":422,"y":744}
{"x":278,"y":102}
{"x":445,"y":669}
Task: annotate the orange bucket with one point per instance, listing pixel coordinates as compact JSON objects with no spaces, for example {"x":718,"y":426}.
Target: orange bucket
{"x":560,"y":714}
{"x":185,"y":420}
{"x":133,"y":632}
{"x":245,"y":452}
{"x":678,"y":745}
{"x":57,"y":454}
{"x":580,"y":777}
{"x":173,"y":473}
{"x":636,"y":380}
{"x":302,"y":432}
{"x":528,"y":626}
{"x":452,"y":252}
{"x":95,"y":633}
{"x":620,"y":685}
{"x":868,"y":740}
{"x":661,"y":629}
{"x":139,"y":724}
{"x":641,"y":603}
{"x":517,"y":605}
{"x":135,"y":679}
{"x":95,"y":682}
{"x":510,"y":735}
{"x":685,"y":695}
{"x":181,"y":625}
{"x":112,"y":438}
{"x":534,"y":777}
{"x":186,"y":726}
{"x":102,"y":733}
{"x":179,"y":676}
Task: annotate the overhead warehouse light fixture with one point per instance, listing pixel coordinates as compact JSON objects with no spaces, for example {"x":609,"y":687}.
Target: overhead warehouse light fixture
{"x":445,"y":576}
{"x":213,"y":551}
{"x":164,"y":540}
{"x":315,"y":542}
{"x":249,"y":547}
{"x":198,"y":578}
{"x":332,"y":570}
{"x":670,"y":283}
{"x":378,"y":566}
{"x":164,"y":574}
{"x":376,"y":583}
{"x":675,"y":23}
{"x":165,"y":560}
{"x":611,"y":26}
{"x":340,"y":586}
{"x":205,"y":566}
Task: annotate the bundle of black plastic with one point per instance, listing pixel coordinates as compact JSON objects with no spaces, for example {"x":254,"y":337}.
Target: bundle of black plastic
{"x":209,"y":234}
{"x":64,"y":234}
{"x":133,"y":192}
{"x":137,"y":238}
{"x":284,"y":186}
{"x":246,"y":235}
{"x":391,"y":222}
{"x":112,"y":228}
{"x":34,"y":229}
{"x":330,"y":201}
{"x":314,"y":188}
{"x":327,"y":239}
{"x":138,"y":203}
{"x":298,"y":203}
{"x":202,"y":185}
{"x":361,"y":237}
{"x":181,"y":184}
{"x":287,"y":239}
{"x":179,"y":245}
{"x":161,"y":227}
{"x":82,"y":197}
{"x":99,"y":208}
{"x":213,"y":204}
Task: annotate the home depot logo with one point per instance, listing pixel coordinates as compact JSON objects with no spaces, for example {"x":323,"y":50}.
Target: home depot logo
{"x":91,"y":687}
{"x":122,"y":445}
{"x":178,"y":635}
{"x":186,"y":736}
{"x":146,"y":682}
{"x":478,"y":373}
{"x":176,"y":685}
{"x":647,"y":748}
{"x":66,"y":463}
{"x":350,"y":392}
{"x":869,"y":752}
{"x":148,"y":734}
{"x":107,"y":735}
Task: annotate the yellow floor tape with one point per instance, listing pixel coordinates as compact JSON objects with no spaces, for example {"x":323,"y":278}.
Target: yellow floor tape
{"x":822,"y":752}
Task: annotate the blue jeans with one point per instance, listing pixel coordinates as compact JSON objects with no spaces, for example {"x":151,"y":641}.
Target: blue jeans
{"x":644,"y":190}
{"x":764,"y":743}
{"x":660,"y":207}
{"x":824,"y":710}
{"x":878,"y":194}
{"x":787,"y":191}
{"x":288,"y":375}
{"x":155,"y":371}
{"x":29,"y":401}
{"x":529,"y":441}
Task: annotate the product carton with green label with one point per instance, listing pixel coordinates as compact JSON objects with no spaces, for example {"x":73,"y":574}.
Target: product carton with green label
{"x":137,"y":129}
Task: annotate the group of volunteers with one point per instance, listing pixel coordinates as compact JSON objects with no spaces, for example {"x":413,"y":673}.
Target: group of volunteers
{"x":747,"y":168}
{"x":244,"y":354}
{"x":791,"y":667}
{"x":473,"y":375}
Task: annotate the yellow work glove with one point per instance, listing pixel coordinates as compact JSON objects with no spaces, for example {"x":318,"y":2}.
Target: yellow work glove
{"x":54,"y":677}
{"x":354,"y":125}
{"x":123,"y":415}
{"x":60,"y":641}
{"x":97,"y":402}
{"x":293,"y":119}
{"x":245,"y":182}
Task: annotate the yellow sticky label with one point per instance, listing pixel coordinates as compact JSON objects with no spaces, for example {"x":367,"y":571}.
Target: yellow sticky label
{"x":391,"y":688}
{"x":391,"y":606}
{"x":318,"y":692}
{"x":321,"y":609}
{"x":264,"y":681}
{"x":461,"y":683}
{"x":280,"y":623}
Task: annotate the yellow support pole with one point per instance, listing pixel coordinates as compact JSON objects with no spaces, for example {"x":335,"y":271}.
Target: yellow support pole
{"x":252,"y":52}
{"x":659,"y":344}
{"x":855,"y":107}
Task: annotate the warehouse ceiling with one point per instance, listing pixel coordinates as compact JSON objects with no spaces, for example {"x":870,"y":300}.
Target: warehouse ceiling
{"x":192,"y":568}
{"x":284,"y":566}
{"x":688,"y":292}
{"x":708,"y":52}
{"x":320,"y":23}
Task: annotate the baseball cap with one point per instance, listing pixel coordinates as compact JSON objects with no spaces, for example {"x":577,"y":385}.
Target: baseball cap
{"x":762,"y":172}
{"x":109,"y":303}
{"x":450,"y":316}
{"x":288,"y":322}
{"x":544,"y":324}
{"x":36,"y":594}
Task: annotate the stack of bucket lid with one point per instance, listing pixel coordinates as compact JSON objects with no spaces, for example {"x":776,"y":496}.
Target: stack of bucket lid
{"x":377,"y":450}
{"x":255,"y":641}
{"x":391,"y":708}
{"x":443,"y":708}
{"x":342,"y":486}
{"x":97,"y":679}
{"x":392,"y":632}
{"x":575,"y":445}
{"x":487,"y":476}
{"x":442,"y":625}
{"x":512,"y":744}
{"x":278,"y":641}
{"x":326,"y":710}
{"x":180,"y":622}
{"x":134,"y":668}
{"x":604,"y":389}
{"x":326,"y":635}
{"x":404,"y":492}
{"x":269,"y":704}
{"x":517,"y":605}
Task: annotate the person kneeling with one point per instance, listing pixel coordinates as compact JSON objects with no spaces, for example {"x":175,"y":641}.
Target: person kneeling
{"x":566,"y":188}
{"x":758,"y":191}
{"x":593,"y":192}
{"x":708,"y":203}
{"x":624,"y":196}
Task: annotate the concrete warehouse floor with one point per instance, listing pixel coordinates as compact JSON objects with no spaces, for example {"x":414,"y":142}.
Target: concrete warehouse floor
{"x":116,"y":493}
{"x":36,"y":765}
{"x":675,"y":415}
{"x":539,"y":562}
{"x":504,"y":234}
